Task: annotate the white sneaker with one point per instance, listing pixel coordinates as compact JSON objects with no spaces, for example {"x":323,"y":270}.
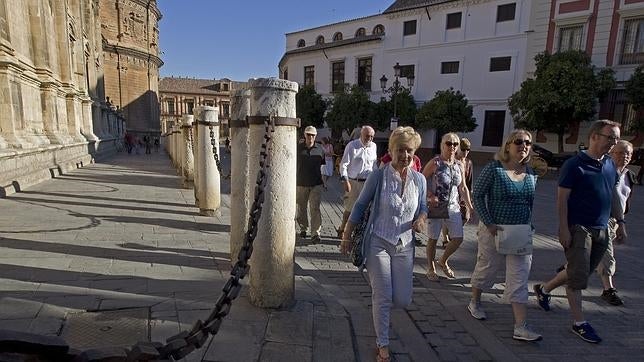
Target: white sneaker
{"x":476,"y":310}
{"x":523,"y":333}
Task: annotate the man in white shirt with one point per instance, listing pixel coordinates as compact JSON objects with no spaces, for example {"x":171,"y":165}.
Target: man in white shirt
{"x":359,"y":160}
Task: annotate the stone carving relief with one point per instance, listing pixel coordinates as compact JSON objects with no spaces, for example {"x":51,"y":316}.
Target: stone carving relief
{"x":133,"y":25}
{"x":4,"y":27}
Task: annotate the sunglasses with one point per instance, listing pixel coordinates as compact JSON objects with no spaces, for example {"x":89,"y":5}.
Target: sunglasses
{"x":465,"y":149}
{"x":519,"y":142}
{"x":452,"y":144}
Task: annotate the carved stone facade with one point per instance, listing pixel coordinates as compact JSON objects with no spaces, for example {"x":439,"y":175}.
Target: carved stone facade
{"x":131,"y":53}
{"x":53,"y":110}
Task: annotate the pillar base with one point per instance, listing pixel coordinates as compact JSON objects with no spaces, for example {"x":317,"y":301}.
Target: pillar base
{"x":209,"y":212}
{"x":188,"y":184}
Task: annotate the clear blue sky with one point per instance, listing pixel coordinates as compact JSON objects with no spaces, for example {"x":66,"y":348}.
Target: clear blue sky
{"x":242,"y":39}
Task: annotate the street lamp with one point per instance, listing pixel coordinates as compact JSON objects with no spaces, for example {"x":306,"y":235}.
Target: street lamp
{"x":396,"y":88}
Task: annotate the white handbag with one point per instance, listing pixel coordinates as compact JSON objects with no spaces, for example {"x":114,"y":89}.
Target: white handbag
{"x":514,"y":239}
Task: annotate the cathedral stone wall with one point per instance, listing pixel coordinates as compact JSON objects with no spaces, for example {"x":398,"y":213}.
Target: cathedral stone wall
{"x":54,"y":71}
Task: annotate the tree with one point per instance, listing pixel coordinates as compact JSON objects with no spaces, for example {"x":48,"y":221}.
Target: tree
{"x":310,"y":107}
{"x":565,"y":90}
{"x":448,"y":111}
{"x":635,"y":95}
{"x":405,"y":109}
{"x":349,"y":109}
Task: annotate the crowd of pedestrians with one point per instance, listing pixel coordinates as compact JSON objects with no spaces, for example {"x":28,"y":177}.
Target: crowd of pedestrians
{"x":593,"y":196}
{"x":136,"y":144}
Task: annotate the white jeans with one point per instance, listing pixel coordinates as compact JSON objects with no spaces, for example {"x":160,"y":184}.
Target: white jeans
{"x":390,"y":268}
{"x":489,"y":261}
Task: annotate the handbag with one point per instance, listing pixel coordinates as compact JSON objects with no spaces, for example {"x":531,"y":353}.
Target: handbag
{"x":438,"y":212}
{"x":514,"y":239}
{"x":357,"y":240}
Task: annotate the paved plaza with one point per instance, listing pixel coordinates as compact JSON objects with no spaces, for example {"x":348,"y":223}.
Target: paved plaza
{"x":116,"y":252}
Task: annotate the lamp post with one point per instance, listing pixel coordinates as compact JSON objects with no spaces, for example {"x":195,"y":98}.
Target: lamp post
{"x":396,"y":87}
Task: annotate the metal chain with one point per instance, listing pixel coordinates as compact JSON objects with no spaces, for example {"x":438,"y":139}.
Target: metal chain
{"x":216,"y":154}
{"x":192,"y":142}
{"x":184,"y":343}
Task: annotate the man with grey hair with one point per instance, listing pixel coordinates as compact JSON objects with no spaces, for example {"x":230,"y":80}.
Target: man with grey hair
{"x":360,"y":158}
{"x":585,"y":194}
{"x":309,"y":184}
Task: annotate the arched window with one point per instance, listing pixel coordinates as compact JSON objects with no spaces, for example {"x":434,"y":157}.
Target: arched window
{"x":319,"y":40}
{"x":361,"y":32}
{"x":378,"y":29}
{"x":337,"y":36}
{"x":301,"y":43}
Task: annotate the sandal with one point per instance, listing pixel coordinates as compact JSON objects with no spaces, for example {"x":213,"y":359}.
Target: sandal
{"x":432,"y":276}
{"x":382,"y":354}
{"x":446,"y":269}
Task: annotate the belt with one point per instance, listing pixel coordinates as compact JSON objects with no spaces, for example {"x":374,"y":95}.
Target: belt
{"x":358,"y":179}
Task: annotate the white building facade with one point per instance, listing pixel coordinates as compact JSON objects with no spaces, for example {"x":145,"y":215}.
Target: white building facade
{"x":476,"y":46}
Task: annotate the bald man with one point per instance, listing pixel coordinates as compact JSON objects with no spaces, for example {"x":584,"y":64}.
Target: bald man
{"x":360,"y":158}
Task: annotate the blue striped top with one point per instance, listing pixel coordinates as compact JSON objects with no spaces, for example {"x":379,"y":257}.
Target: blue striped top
{"x":500,"y":200}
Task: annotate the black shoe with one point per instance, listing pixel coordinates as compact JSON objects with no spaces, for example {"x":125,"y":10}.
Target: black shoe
{"x":302,"y":234}
{"x":611,"y":297}
{"x":542,"y":298}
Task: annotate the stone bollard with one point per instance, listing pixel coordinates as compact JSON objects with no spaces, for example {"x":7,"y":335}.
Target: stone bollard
{"x":197,"y":111}
{"x":171,"y":144}
{"x":272,"y":282}
{"x":240,"y":189}
{"x":186,"y":153}
{"x":177,"y":147}
{"x":209,"y":177}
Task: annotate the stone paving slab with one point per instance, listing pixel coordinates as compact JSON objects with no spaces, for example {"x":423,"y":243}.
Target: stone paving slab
{"x":124,"y":234}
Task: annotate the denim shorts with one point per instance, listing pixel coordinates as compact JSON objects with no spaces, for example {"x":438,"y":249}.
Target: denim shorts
{"x":586,"y":251}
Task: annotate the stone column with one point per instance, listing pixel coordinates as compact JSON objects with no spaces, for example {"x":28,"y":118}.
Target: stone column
{"x":197,"y":111}
{"x":171,"y":144}
{"x":176,"y":137}
{"x":88,"y":127}
{"x":240,"y":189}
{"x":187,"y":160}
{"x":209,"y":177}
{"x":272,"y":283}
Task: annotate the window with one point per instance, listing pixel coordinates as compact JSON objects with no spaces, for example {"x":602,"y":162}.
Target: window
{"x":301,"y":43}
{"x":493,"y":128}
{"x":360,"y":32}
{"x":449,"y":67}
{"x":190,"y":105}
{"x":170,"y":106}
{"x":319,"y":40}
{"x":225,"y":109}
{"x":337,"y":76}
{"x":364,"y":73}
{"x":453,"y":20}
{"x":309,"y":75}
{"x":633,"y":42}
{"x":286,"y":73}
{"x":406,"y":70}
{"x":570,"y":38}
{"x":378,"y":29}
{"x":337,"y":36}
{"x":500,"y":64}
{"x":225,"y":87}
{"x":505,"y":12}
{"x":409,"y":27}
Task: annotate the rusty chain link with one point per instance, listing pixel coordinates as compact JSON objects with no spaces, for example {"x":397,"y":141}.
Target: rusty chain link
{"x":191,"y":140}
{"x":182,"y":344}
{"x":215,"y":154}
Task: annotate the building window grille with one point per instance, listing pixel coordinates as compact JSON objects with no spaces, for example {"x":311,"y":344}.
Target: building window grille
{"x":409,"y":27}
{"x":633,"y":42}
{"x":449,"y":67}
{"x":570,"y":38}
{"x":309,"y":75}
{"x":364,"y":73}
{"x":190,"y":105}
{"x":301,"y":43}
{"x":454,"y":20}
{"x":505,"y":12}
{"x":170,"y":106}
{"x":319,"y":40}
{"x":337,"y":77}
{"x":407,"y":70}
{"x":337,"y":36}
{"x":378,"y":29}
{"x":500,"y":64}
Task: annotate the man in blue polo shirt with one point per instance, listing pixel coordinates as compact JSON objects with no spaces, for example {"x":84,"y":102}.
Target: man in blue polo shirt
{"x":584,"y":199}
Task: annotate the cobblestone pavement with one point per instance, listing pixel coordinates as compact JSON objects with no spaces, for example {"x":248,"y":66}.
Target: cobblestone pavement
{"x":123,"y":234}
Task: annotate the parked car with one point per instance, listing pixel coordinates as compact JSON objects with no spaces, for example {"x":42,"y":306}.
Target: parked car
{"x":552,"y":159}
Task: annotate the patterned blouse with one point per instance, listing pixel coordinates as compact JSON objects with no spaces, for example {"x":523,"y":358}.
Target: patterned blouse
{"x":444,"y":182}
{"x":500,"y":200}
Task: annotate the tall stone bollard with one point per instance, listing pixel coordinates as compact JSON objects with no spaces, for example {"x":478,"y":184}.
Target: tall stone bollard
{"x":272,"y":282}
{"x":197,"y":111}
{"x":240,"y":190}
{"x":209,"y":177}
{"x":177,"y":147}
{"x":186,"y":153}
{"x":171,"y":144}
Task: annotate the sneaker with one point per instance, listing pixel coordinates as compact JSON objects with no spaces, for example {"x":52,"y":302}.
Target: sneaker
{"x":315,"y":239}
{"x":302,"y":234}
{"x":523,"y":333}
{"x":476,"y":310}
{"x":611,"y":297}
{"x":542,"y":298}
{"x":586,"y":332}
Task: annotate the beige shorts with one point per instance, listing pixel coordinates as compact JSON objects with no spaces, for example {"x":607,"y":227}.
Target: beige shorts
{"x":608,"y":264}
{"x":350,"y":197}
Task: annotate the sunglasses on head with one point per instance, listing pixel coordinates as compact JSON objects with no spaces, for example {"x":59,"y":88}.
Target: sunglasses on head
{"x":452,"y":144}
{"x":519,"y":142}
